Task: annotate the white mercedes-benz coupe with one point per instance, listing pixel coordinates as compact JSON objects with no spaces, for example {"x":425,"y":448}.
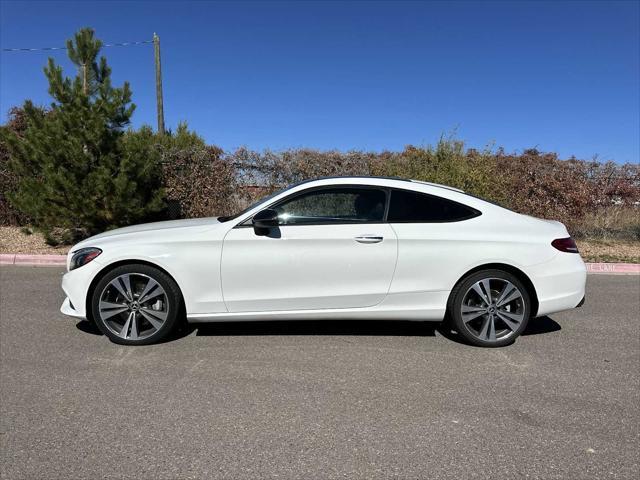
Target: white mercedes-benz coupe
{"x":333,"y":248}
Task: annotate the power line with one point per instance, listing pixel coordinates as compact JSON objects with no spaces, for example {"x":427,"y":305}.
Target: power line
{"x":44,"y":49}
{"x":155,"y":41}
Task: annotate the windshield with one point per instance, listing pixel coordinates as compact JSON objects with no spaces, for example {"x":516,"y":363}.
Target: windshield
{"x":226,"y":218}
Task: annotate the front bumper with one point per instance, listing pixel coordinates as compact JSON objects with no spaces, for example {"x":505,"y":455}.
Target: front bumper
{"x":76,"y":286}
{"x":69,"y":309}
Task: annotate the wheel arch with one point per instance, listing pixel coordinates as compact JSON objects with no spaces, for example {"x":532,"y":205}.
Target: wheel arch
{"x":519,"y":274}
{"x":107,"y":268}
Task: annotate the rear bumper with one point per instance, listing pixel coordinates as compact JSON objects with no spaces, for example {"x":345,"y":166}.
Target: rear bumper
{"x":560,"y":303}
{"x":560,"y":283}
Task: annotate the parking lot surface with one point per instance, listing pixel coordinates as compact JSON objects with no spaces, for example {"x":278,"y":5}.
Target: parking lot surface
{"x":338,"y":399}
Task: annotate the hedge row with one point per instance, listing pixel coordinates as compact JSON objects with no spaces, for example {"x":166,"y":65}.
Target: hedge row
{"x":591,"y":198}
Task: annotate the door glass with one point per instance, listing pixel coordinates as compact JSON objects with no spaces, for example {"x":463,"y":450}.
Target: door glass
{"x":335,"y":205}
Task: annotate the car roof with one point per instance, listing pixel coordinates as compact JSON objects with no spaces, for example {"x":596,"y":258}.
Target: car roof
{"x":376,"y":181}
{"x":437,"y":189}
{"x":429,"y":188}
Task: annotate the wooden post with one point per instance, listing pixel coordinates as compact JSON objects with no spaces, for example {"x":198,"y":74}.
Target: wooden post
{"x":156,"y":49}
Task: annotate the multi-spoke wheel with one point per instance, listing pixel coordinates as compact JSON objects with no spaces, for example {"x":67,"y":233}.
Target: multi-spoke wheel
{"x":490,"y":308}
{"x":136,"y":304}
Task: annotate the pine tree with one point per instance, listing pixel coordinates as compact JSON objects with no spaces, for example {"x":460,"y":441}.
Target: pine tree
{"x":76,"y":171}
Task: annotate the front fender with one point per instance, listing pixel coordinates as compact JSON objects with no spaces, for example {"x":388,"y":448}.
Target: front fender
{"x":194,"y":266}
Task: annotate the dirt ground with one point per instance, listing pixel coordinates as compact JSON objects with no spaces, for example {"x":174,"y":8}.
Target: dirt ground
{"x":18,"y":240}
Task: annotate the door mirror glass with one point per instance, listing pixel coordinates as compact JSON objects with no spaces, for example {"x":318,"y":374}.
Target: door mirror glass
{"x":264,"y":220}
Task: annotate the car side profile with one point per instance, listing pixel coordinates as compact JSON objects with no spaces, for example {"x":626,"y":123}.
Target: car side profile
{"x":333,"y":248}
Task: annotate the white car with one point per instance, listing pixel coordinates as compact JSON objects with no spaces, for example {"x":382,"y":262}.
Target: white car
{"x":334,"y":248}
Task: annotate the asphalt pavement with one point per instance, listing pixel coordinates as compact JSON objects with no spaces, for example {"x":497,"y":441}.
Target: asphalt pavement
{"x":314,"y":400}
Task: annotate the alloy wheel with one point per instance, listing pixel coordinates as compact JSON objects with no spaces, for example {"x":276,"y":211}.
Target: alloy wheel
{"x":133,"y":306}
{"x":493,"y":309}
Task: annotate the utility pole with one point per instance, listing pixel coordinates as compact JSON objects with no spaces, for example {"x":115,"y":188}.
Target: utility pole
{"x":156,"y":49}
{"x":85,"y":80}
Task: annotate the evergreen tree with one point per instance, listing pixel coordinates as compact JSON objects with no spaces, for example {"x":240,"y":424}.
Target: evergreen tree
{"x":75,"y":168}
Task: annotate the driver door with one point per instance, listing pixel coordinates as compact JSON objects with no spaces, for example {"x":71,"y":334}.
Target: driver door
{"x":331,"y":249}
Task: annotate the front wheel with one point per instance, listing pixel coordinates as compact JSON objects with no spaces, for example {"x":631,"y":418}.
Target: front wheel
{"x":490,"y":308}
{"x":136,"y":304}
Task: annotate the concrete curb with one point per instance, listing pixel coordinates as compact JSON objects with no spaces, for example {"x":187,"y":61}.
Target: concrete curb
{"x":61,"y":260}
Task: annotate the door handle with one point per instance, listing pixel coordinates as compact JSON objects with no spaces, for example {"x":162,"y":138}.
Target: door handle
{"x":368,"y":239}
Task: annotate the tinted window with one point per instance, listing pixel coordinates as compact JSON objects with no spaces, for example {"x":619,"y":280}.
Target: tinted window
{"x":414,"y":207}
{"x":335,"y":205}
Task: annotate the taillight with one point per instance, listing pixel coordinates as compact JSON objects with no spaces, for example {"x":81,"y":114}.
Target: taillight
{"x":565,"y":245}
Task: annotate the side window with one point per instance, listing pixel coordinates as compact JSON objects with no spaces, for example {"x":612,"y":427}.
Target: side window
{"x":415,"y":207}
{"x":333,"y":205}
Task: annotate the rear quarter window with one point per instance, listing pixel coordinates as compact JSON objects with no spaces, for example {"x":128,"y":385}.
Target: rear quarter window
{"x":415,"y":207}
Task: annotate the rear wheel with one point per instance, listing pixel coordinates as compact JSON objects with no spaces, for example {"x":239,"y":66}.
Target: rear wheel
{"x":136,"y":304}
{"x":490,"y":308}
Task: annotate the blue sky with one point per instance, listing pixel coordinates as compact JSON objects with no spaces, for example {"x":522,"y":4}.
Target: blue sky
{"x":559,"y":76}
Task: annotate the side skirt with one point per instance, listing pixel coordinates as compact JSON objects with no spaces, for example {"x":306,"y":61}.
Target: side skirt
{"x":340,"y":314}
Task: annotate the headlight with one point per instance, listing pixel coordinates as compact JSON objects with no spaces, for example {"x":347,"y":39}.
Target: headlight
{"x":83,"y":256}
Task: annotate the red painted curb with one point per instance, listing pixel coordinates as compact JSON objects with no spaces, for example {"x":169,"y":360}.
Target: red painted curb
{"x":625,"y":268}
{"x":7,"y":258}
{"x":33,"y":260}
{"x":61,"y":260}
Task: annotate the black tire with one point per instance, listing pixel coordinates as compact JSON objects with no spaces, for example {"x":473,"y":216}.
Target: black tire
{"x":171,"y":305}
{"x":472,"y":331}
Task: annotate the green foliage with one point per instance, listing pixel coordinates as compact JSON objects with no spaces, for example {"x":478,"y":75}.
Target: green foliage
{"x":76,"y":167}
{"x":181,"y":139}
{"x":448,"y":163}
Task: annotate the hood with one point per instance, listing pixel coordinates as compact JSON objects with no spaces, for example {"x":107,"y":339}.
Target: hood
{"x":149,"y":227}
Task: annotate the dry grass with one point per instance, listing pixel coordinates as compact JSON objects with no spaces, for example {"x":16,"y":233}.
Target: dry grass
{"x":613,"y":223}
{"x":17,"y":240}
{"x":613,"y":251}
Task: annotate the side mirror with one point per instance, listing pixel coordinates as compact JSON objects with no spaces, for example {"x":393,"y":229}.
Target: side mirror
{"x":265,"y":220}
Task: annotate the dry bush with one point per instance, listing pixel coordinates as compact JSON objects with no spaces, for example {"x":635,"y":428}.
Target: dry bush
{"x":274,"y":170}
{"x":544,"y":186}
{"x":10,"y":215}
{"x":200,"y":180}
{"x":595,"y":200}
{"x":583,"y":195}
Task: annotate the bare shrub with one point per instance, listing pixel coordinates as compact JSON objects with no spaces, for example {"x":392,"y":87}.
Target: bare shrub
{"x":544,"y":186}
{"x":200,"y":180}
{"x":573,"y":191}
{"x":10,"y":215}
{"x":278,"y":169}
